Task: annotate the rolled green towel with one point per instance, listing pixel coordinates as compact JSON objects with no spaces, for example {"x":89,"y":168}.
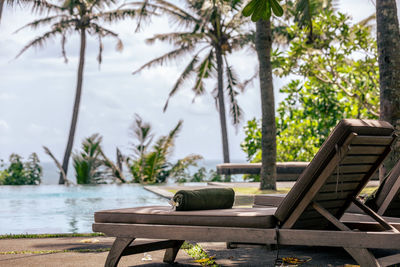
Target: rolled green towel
{"x":204,"y":199}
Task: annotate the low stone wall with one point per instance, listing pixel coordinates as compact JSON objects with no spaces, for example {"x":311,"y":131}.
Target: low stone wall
{"x":286,"y":171}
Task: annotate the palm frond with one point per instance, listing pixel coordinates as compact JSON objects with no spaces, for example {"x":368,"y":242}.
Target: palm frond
{"x":103,"y":32}
{"x":249,"y":81}
{"x":242,"y":40}
{"x":98,"y":5}
{"x":171,"y":137}
{"x":116,"y":15}
{"x":164,"y":58}
{"x":237,"y":21}
{"x":100,"y":53}
{"x":39,"y":41}
{"x":235,"y":111}
{"x":177,"y":15}
{"x":142,"y":132}
{"x":63,"y":52}
{"x":40,"y":6}
{"x":203,"y":72}
{"x":115,"y":170}
{"x":142,"y":11}
{"x":46,"y":21}
{"x":190,"y":68}
{"x":87,"y":163}
{"x":58,"y":164}
{"x":305,"y":10}
{"x":174,"y":9}
{"x":177,"y":38}
{"x":303,"y":14}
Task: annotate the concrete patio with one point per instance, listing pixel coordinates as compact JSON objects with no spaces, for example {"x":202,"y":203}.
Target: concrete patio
{"x":245,"y":255}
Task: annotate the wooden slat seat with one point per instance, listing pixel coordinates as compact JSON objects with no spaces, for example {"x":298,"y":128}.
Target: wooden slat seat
{"x":236,"y":217}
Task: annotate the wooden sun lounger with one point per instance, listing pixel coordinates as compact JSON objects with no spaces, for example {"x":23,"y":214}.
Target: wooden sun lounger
{"x":308,"y":215}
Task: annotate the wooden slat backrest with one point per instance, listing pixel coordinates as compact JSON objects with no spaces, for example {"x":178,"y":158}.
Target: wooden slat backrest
{"x":388,"y":196}
{"x":351,"y":139}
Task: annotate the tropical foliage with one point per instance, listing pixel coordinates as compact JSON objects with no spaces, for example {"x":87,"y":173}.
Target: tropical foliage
{"x":21,"y":173}
{"x":339,"y":79}
{"x":151,"y":161}
{"x":261,"y":9}
{"x":84,"y":17}
{"x":201,"y":175}
{"x":92,"y":166}
{"x":212,"y":31}
{"x":269,"y":30}
{"x":87,"y":162}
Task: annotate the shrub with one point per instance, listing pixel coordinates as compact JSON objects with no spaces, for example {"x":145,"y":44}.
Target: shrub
{"x":151,"y":161}
{"x":87,"y":163}
{"x":21,"y":173}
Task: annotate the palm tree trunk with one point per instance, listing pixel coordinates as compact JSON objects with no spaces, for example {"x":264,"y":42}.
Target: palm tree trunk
{"x":221,"y":105}
{"x":388,"y":39}
{"x":2,"y":3}
{"x":268,"y":126}
{"x":75,"y":111}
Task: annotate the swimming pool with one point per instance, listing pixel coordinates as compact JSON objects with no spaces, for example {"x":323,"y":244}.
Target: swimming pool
{"x":62,"y":209}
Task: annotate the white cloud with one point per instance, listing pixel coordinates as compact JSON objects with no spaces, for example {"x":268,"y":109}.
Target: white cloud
{"x":6,"y":96}
{"x":36,"y":129}
{"x":37,"y":91}
{"x":4,"y":126}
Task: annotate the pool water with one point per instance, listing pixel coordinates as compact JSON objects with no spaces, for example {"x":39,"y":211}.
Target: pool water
{"x":62,"y":209}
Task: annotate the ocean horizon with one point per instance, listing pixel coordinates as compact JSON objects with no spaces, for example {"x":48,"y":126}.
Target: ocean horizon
{"x":51,"y":173}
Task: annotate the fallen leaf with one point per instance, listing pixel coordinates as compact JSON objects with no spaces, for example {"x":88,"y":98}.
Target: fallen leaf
{"x":204,"y":260}
{"x":94,"y":240}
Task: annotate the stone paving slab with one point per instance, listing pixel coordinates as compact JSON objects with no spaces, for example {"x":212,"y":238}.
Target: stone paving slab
{"x":74,"y":259}
{"x":244,"y":255}
{"x":255,"y":255}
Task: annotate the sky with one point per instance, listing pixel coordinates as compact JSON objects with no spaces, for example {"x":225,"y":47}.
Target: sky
{"x":37,"y":91}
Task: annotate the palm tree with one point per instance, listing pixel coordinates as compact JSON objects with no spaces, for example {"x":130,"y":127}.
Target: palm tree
{"x":268,"y":127}
{"x":83,"y":17}
{"x":212,"y":32}
{"x":261,"y":14}
{"x":388,"y":40}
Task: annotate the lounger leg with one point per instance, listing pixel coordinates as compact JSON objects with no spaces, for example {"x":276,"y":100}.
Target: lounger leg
{"x":118,"y":247}
{"x":170,"y":253}
{"x":363,"y":257}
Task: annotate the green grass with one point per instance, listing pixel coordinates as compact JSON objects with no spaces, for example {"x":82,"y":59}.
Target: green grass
{"x":199,"y":254}
{"x":369,"y":190}
{"x":48,"y":235}
{"x":257,"y":191}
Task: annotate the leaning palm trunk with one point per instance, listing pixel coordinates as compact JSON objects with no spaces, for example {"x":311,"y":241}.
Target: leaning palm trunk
{"x":388,"y":39}
{"x":48,"y":152}
{"x":221,"y":105}
{"x":75,"y":111}
{"x":268,"y":127}
{"x":2,"y":2}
